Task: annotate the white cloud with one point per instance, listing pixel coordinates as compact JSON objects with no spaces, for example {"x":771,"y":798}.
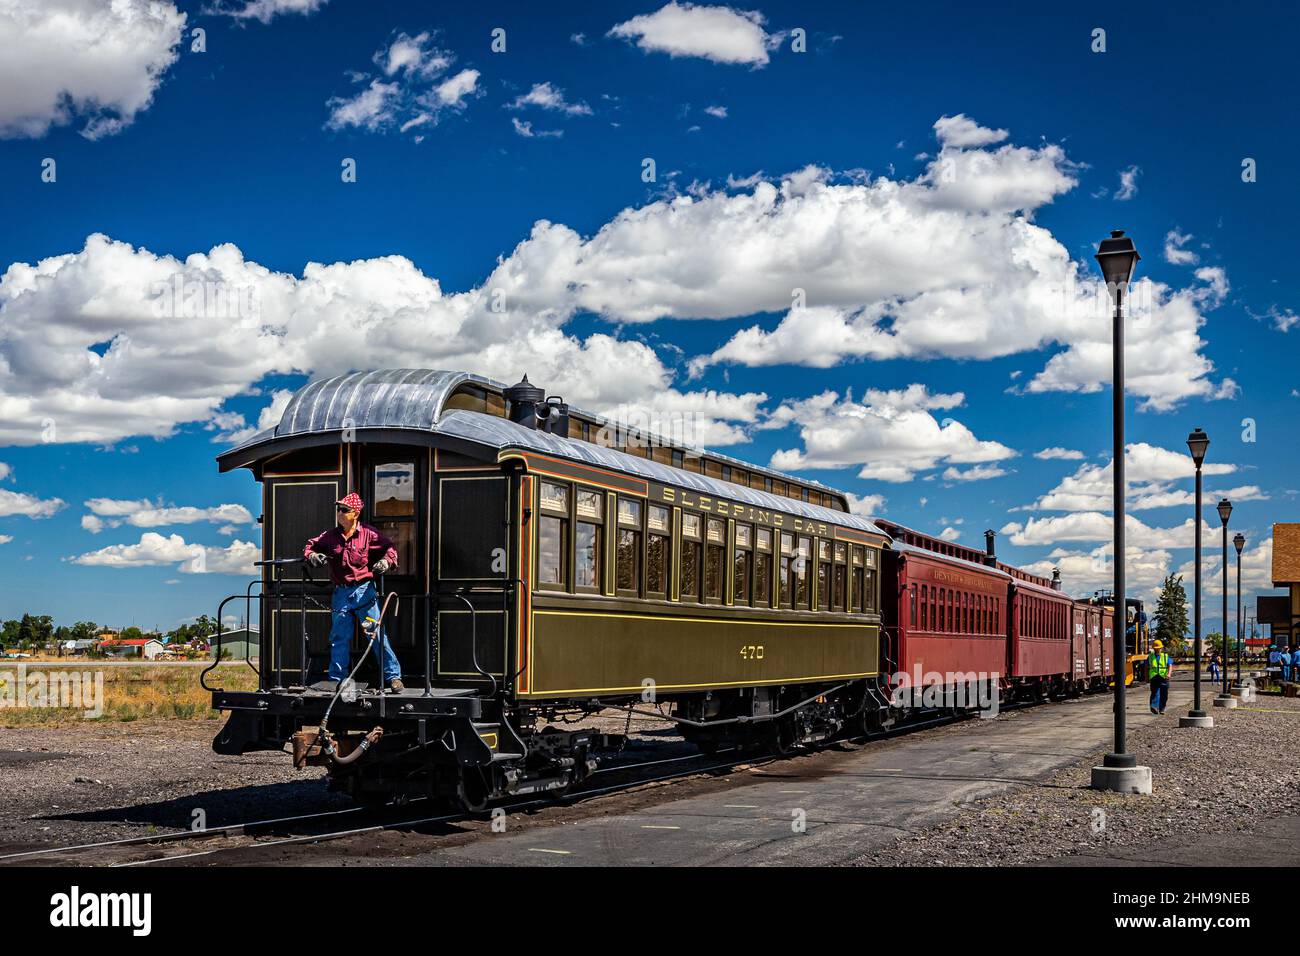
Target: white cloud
{"x":977,"y":473}
{"x":232,"y":428}
{"x":1056,"y":453}
{"x":154,"y":550}
{"x":893,"y":269}
{"x":1174,"y":251}
{"x":264,"y":10}
{"x":1083,"y":572}
{"x":6,"y":538}
{"x":962,"y":132}
{"x":945,"y":265}
{"x":1256,"y":575}
{"x":949,"y":534}
{"x":1128,"y":183}
{"x":113,"y":513}
{"x":548,"y":97}
{"x":21,"y":503}
{"x":865,"y":505}
{"x":720,"y":34}
{"x":892,"y":435}
{"x":718,"y":112}
{"x":525,"y":129}
{"x":96,"y":63}
{"x":1150,"y":474}
{"x":1095,"y":526}
{"x":413,"y":88}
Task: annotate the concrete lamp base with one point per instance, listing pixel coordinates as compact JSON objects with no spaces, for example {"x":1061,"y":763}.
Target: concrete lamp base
{"x":1244,"y":692}
{"x":1122,"y":779}
{"x":1228,"y":703}
{"x":1199,"y":720}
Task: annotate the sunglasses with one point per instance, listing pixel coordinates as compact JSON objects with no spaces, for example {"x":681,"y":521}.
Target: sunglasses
{"x":342,"y":509}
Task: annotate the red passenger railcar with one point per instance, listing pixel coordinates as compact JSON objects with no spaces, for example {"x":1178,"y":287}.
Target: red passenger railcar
{"x":947,"y":622}
{"x":1041,"y":625}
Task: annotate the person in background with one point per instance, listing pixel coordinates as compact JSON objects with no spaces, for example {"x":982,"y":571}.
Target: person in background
{"x":1214,"y":666}
{"x":1288,"y":662}
{"x":1159,"y":667}
{"x":355,"y":553}
{"x":1274,"y":661}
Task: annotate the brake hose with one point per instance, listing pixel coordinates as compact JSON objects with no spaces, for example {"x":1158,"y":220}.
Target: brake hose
{"x":370,"y":739}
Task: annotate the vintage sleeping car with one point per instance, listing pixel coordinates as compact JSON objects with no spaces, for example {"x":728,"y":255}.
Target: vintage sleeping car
{"x":550,"y":564}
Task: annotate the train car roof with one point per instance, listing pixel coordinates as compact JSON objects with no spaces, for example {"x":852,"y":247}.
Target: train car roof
{"x":414,"y":400}
{"x":902,"y":547}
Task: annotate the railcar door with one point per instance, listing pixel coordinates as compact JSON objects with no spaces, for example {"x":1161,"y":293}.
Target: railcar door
{"x":392,"y":477}
{"x":469,"y":570}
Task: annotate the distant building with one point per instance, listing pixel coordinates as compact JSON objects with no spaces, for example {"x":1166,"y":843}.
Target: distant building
{"x":147,"y":648}
{"x":1285,"y":620}
{"x":242,"y":644}
{"x":77,"y":648}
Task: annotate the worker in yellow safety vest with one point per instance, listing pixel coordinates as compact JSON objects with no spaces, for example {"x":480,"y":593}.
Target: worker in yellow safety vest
{"x":1159,"y":666}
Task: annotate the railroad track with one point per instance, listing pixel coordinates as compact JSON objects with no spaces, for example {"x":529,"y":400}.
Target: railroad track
{"x":266,"y":834}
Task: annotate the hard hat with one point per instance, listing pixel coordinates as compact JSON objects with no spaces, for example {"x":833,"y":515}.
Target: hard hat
{"x":1158,"y":644}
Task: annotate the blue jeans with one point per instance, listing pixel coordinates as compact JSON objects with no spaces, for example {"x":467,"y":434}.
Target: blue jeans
{"x":1159,"y":692}
{"x":1214,"y":671}
{"x":359,"y":601}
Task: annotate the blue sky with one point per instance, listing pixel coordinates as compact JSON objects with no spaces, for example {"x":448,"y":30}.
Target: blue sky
{"x":929,"y":178}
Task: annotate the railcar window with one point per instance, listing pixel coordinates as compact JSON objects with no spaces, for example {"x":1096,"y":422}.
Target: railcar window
{"x":802,"y":572}
{"x":823,"y":574}
{"x":691,"y":558}
{"x":714,"y":555}
{"x":841,"y":591}
{"x":803,"y":493}
{"x":586,"y":563}
{"x":554,"y":497}
{"x":744,"y":563}
{"x":627,"y":566}
{"x":658,"y":551}
{"x":934,"y":606}
{"x":552,"y":546}
{"x":767,"y":484}
{"x":763,"y":567}
{"x":726,"y":472}
{"x":787,"y":569}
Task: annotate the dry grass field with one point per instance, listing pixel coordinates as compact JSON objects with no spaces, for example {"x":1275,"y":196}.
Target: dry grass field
{"x":129,"y":692}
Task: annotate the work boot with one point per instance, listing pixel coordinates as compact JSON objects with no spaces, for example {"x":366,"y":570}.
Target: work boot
{"x":395,"y":686}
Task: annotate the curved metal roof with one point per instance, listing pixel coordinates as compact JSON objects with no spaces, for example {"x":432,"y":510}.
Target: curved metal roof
{"x":503,"y":434}
{"x":415,"y":399}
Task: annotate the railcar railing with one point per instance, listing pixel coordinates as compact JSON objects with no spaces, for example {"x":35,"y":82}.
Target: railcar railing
{"x":282,"y":596}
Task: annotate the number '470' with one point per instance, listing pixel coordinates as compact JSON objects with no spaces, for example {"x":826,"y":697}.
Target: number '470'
{"x":752,"y":652}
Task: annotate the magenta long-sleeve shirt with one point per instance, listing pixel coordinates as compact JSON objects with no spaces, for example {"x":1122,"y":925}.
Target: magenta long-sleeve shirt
{"x":350,"y":558}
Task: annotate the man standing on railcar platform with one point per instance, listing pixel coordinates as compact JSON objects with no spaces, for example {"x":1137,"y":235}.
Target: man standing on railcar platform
{"x":1159,"y":667}
{"x":348,"y":549}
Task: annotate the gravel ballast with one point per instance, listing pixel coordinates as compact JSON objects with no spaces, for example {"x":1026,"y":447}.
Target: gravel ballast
{"x":1233,"y":778}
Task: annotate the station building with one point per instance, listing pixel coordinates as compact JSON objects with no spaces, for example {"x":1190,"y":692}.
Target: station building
{"x":1284,"y":613}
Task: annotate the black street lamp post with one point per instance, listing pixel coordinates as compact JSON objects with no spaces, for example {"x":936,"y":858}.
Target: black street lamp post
{"x":1197,"y":443}
{"x":1225,"y":511}
{"x":1118,"y":257}
{"x":1239,"y":542}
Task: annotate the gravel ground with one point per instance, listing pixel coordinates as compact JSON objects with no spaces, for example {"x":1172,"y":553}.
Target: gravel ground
{"x":103,"y":781}
{"x":1232,"y":778}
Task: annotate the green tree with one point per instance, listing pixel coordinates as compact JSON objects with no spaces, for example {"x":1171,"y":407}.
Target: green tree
{"x":84,"y":631}
{"x":131,"y":634}
{"x":1171,"y":615}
